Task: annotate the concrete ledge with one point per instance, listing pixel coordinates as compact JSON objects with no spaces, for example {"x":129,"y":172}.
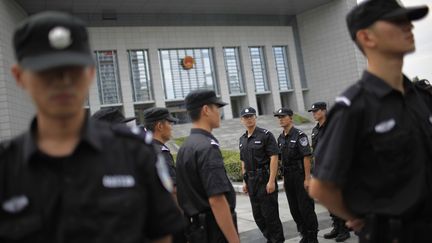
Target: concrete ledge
{"x":238,"y":187}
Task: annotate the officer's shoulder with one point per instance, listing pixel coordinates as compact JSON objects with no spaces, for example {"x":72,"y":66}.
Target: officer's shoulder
{"x":346,"y":98}
{"x":424,"y":86}
{"x":4,"y":146}
{"x":299,"y":132}
{"x":263,"y":130}
{"x":133,"y":133}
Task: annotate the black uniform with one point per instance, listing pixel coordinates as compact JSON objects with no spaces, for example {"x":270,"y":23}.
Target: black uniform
{"x":200,"y":175}
{"x":317,"y":132}
{"x":108,"y":190}
{"x":255,"y":152}
{"x":293,"y":148}
{"x":339,"y":231}
{"x":166,"y":153}
{"x":378,"y":151}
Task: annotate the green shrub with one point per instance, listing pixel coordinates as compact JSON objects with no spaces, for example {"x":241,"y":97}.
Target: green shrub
{"x":179,"y":141}
{"x":299,"y":119}
{"x":232,"y":164}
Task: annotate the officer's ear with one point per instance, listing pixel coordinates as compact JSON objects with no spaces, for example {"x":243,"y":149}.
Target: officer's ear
{"x":17,"y":73}
{"x":159,"y":125}
{"x":366,"y":38}
{"x":205,"y":110}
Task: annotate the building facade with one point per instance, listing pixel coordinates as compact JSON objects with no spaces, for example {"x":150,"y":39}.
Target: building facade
{"x":260,"y":56}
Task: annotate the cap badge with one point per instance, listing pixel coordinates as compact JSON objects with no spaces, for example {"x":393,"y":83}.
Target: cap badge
{"x":313,"y":106}
{"x":280,"y":111}
{"x":247,"y":110}
{"x":60,"y":37}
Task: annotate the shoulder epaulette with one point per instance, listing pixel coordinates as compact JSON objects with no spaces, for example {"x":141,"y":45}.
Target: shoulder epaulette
{"x":4,"y":145}
{"x":346,"y":98}
{"x":165,"y":148}
{"x":133,"y":132}
{"x":264,"y":130}
{"x":423,"y":84}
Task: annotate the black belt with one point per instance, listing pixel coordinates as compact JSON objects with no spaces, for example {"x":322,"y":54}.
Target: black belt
{"x":293,"y":166}
{"x":257,"y":172}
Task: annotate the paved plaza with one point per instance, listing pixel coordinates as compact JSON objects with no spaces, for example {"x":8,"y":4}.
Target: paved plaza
{"x":228,"y":135}
{"x":250,"y":233}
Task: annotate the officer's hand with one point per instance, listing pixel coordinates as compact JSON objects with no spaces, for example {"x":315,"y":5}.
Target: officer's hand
{"x":245,"y":190}
{"x":306,"y":184}
{"x":271,"y":187}
{"x":355,"y":224}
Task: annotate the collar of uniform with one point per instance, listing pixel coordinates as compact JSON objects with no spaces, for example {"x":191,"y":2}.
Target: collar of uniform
{"x":89,"y":135}
{"x":290,"y":133}
{"x":158,"y":142}
{"x":379,"y":87}
{"x":320,"y":127}
{"x":203,"y":132}
{"x":253,"y":134}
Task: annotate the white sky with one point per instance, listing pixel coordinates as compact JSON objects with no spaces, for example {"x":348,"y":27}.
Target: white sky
{"x":420,"y":62}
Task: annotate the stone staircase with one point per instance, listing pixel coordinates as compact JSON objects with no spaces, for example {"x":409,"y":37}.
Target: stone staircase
{"x":230,"y":130}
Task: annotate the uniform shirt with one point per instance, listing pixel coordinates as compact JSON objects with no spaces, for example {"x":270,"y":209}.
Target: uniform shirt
{"x":256,"y":150}
{"x":166,"y":153}
{"x":107,"y":190}
{"x":317,"y":133}
{"x":378,"y":147}
{"x":201,"y":173}
{"x":293,"y":146}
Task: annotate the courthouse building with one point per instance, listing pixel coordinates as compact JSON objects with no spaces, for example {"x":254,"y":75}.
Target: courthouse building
{"x":264,"y":54}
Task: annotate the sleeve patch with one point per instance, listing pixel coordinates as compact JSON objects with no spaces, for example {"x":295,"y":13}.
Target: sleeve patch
{"x":304,"y":141}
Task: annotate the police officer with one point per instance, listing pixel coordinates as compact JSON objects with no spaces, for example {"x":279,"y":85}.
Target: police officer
{"x":319,"y":111}
{"x":295,"y":154}
{"x":112,"y":115}
{"x":375,"y":156}
{"x":159,"y":121}
{"x":259,"y":158}
{"x":70,"y":178}
{"x":203,"y":189}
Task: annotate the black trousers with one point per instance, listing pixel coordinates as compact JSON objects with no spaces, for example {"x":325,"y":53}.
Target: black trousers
{"x":384,"y":230}
{"x":301,"y":206}
{"x":265,"y":209}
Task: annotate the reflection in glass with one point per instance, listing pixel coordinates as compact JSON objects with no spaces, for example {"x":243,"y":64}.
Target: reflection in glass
{"x":282,"y":69}
{"x":139,"y":69}
{"x":259,"y":69}
{"x":179,"y":82}
{"x":233,"y":70}
{"x":108,"y":79}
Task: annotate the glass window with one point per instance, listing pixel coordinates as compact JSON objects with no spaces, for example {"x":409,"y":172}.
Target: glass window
{"x":259,"y":69}
{"x":108,"y":78}
{"x":282,"y":68}
{"x":139,"y":68}
{"x":178,"y":82}
{"x":233,"y":70}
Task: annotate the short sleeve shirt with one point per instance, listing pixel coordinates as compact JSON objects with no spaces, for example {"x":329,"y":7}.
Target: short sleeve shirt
{"x":201,"y":173}
{"x":293,"y":146}
{"x":107,"y":190}
{"x":317,"y":133}
{"x":376,"y":147}
{"x":256,"y":150}
{"x":166,"y":153}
